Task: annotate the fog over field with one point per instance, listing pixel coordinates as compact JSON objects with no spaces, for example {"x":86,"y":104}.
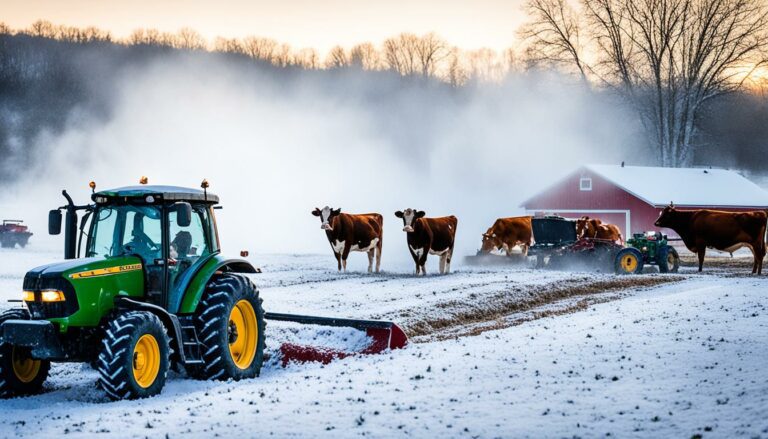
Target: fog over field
{"x":276,"y":145}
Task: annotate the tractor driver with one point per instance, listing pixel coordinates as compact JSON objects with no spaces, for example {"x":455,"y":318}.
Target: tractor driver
{"x":141,"y":244}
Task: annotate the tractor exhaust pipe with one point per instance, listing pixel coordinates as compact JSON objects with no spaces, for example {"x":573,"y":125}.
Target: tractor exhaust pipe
{"x":70,"y":228}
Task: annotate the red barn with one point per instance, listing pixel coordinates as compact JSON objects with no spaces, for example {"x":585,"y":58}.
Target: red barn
{"x":633,"y":196}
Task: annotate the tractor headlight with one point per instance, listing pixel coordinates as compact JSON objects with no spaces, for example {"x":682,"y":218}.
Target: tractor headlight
{"x":52,"y":296}
{"x":645,"y":249}
{"x":28,"y":296}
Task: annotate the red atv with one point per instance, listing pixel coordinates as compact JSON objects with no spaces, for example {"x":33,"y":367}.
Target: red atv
{"x":12,"y":232}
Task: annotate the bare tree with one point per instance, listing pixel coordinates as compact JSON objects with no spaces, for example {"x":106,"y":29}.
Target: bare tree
{"x":553,"y":34}
{"x":365,"y":56}
{"x":306,"y":58}
{"x":260,"y":48}
{"x":401,"y":54}
{"x":4,"y":29}
{"x":189,"y":39}
{"x":456,"y":73}
{"x":667,"y":57}
{"x":432,"y":51}
{"x":337,"y":58}
{"x":228,"y":45}
{"x":42,"y":28}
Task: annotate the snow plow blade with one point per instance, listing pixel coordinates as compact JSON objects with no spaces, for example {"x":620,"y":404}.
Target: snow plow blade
{"x":385,"y":335}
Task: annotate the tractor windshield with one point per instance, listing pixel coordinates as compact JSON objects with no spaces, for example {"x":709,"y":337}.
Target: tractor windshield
{"x":126,"y":229}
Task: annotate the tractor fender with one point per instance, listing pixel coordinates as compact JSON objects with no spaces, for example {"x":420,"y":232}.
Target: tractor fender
{"x":195,"y":280}
{"x":170,"y":321}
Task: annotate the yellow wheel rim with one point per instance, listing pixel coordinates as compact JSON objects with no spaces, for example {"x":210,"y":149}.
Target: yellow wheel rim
{"x":25,"y":368}
{"x":243,"y":334}
{"x":670,"y":261}
{"x":146,"y":360}
{"x":629,"y":262}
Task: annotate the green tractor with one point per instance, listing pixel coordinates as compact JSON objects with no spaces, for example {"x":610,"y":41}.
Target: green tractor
{"x":655,"y":249}
{"x":151,"y":292}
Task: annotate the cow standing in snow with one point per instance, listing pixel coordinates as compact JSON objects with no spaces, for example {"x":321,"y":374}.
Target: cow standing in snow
{"x":347,"y":232}
{"x":726,"y":231}
{"x":429,"y":235}
{"x":506,"y":233}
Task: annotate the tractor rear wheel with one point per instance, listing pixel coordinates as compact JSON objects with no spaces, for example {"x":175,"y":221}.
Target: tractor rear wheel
{"x":19,"y":373}
{"x":628,"y":261}
{"x":230,"y":326}
{"x":133,"y":362}
{"x":668,"y":259}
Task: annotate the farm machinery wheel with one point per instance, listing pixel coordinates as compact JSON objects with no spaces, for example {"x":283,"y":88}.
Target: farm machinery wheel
{"x":230,"y":325}
{"x":668,"y":259}
{"x":20,"y":374}
{"x":628,"y":261}
{"x":134,"y":358}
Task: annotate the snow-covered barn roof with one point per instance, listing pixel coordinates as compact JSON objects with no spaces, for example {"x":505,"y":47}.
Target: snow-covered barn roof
{"x":685,"y":186}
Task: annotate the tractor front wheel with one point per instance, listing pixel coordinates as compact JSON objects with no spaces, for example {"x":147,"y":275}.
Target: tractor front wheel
{"x":133,"y":362}
{"x":230,"y":326}
{"x":628,"y":261}
{"x":19,"y":373}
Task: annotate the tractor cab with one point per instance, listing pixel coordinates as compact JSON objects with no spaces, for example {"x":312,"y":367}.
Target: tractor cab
{"x":171,"y":230}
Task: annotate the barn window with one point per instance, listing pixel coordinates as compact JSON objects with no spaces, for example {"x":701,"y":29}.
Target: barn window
{"x":585,"y":184}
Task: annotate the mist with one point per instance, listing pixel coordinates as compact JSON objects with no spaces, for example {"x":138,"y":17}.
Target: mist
{"x":276,"y":144}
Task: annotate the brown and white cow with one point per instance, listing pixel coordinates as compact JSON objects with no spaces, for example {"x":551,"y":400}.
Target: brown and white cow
{"x":507,"y":233}
{"x":594,"y":228}
{"x":347,"y":232}
{"x":429,"y":235}
{"x":726,"y":231}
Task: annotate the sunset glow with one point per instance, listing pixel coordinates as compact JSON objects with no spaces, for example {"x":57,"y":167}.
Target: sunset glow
{"x":300,"y":23}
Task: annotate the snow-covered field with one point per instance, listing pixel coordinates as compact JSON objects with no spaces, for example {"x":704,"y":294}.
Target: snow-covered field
{"x":497,"y":352}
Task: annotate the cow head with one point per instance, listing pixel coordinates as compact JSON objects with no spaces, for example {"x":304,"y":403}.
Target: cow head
{"x":409,"y":217}
{"x":326,"y":215}
{"x":490,"y":242}
{"x":581,"y":226}
{"x":666,"y":216}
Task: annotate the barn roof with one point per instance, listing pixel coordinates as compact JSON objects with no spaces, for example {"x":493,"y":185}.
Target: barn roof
{"x":685,"y":186}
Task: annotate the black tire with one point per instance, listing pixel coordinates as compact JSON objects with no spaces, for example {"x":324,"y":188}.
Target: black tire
{"x":628,"y":261}
{"x":668,"y":259}
{"x":215,"y":329}
{"x":11,"y":384}
{"x":120,"y":359}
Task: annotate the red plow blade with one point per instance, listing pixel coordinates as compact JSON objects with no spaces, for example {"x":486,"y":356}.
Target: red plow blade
{"x":385,"y":335}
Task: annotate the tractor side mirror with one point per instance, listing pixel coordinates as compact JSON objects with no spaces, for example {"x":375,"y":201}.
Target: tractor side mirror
{"x":183,"y":214}
{"x":54,"y":222}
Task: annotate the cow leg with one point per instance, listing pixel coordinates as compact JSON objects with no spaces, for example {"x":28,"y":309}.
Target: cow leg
{"x":448,"y":257}
{"x":378,"y":256}
{"x":701,"y":253}
{"x":338,"y":259}
{"x":371,"y":254}
{"x":423,"y":261}
{"x":524,"y":248}
{"x":442,"y":263}
{"x":345,"y":255}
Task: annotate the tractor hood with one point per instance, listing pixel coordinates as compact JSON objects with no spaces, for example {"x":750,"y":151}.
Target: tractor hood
{"x":58,"y":268}
{"x":83,"y":268}
{"x":89,"y":285}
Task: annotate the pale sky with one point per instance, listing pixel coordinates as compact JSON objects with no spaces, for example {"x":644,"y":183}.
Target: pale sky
{"x":321,"y":24}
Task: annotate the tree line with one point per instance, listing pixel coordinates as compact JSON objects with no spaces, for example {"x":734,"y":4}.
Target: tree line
{"x":427,"y":56}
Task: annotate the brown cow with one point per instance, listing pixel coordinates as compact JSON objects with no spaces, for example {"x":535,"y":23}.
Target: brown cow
{"x":726,"y":231}
{"x":506,"y":233}
{"x":347,"y":232}
{"x":429,"y":235}
{"x":594,"y":228}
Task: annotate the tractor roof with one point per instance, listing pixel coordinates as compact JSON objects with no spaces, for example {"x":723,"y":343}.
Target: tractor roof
{"x":174,"y":193}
